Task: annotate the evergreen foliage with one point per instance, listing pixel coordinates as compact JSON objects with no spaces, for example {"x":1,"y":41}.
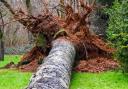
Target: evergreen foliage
{"x":117,"y":31}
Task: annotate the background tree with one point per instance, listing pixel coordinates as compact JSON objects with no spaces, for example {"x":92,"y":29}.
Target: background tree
{"x":1,"y":35}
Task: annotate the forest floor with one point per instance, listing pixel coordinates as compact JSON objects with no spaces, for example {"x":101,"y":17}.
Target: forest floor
{"x":14,"y":79}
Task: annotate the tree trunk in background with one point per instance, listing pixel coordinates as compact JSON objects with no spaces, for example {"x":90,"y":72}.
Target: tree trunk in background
{"x":62,"y":3}
{"x":1,"y":46}
{"x":29,"y":7}
{"x":1,"y":38}
{"x":1,"y":50}
{"x":55,"y":72}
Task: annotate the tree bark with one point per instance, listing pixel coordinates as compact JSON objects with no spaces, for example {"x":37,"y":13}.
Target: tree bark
{"x":1,"y":50}
{"x":56,"y":69}
{"x":61,"y":13}
{"x":1,"y":38}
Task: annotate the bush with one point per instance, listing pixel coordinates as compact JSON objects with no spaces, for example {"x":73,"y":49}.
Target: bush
{"x":117,"y":31}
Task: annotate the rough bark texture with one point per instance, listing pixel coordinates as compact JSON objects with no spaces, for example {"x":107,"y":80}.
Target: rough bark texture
{"x":55,"y":72}
{"x":1,"y":50}
{"x":1,"y":37}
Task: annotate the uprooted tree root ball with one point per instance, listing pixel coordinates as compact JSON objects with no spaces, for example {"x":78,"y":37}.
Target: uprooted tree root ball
{"x":98,"y":64}
{"x":31,"y":60}
{"x":74,"y":27}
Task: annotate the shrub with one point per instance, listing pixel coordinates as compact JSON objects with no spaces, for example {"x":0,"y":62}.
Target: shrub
{"x":117,"y":31}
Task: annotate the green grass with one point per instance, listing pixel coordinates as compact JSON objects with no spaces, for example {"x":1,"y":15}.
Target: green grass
{"x":13,"y":79}
{"x":106,"y":80}
{"x":9,"y":58}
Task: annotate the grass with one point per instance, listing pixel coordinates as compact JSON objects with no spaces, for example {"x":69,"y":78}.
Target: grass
{"x":106,"y":80}
{"x":9,"y":58}
{"x":13,"y":79}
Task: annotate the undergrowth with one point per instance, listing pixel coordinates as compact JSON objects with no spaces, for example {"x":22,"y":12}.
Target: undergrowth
{"x":117,"y":31}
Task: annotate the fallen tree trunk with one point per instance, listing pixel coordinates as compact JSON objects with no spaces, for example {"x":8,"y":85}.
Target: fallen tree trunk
{"x":55,"y":72}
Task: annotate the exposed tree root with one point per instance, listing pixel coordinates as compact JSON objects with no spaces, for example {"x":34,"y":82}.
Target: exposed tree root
{"x":10,"y":65}
{"x":35,"y":54}
{"x":31,"y":60}
{"x":30,"y":67}
{"x":98,"y":64}
{"x":74,"y":27}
